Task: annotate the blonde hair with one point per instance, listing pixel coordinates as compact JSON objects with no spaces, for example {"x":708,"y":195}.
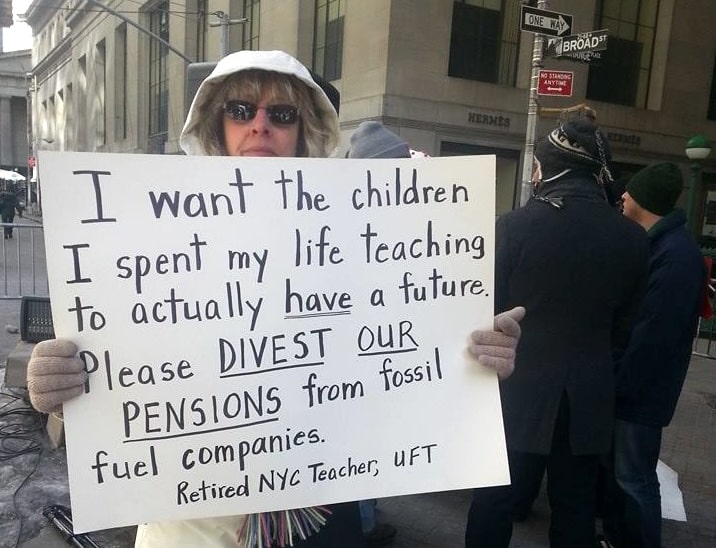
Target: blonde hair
{"x":317,"y":134}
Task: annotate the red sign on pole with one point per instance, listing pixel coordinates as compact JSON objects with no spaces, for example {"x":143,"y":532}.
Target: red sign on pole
{"x":555,"y":82}
{"x":31,"y":161}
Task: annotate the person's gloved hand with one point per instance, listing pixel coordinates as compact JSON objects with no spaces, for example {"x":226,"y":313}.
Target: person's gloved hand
{"x":496,"y":349}
{"x":54,"y":375}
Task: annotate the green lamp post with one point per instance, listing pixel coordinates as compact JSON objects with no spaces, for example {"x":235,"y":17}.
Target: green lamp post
{"x":698,"y":148}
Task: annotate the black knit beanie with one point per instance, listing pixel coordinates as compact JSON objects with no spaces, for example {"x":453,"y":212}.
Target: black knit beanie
{"x":575,"y":145}
{"x":656,"y":187}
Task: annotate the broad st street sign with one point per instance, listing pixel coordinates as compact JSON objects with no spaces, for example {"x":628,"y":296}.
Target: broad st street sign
{"x":555,"y":46}
{"x":552,"y":23}
{"x":595,"y":40}
{"x":555,"y":82}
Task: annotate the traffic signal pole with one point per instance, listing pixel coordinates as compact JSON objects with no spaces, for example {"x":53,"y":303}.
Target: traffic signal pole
{"x":140,"y":28}
{"x":224,"y":22}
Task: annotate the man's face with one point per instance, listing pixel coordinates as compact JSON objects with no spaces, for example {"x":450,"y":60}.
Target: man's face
{"x":261,"y":129}
{"x":629,"y":207}
{"x":536,"y":172}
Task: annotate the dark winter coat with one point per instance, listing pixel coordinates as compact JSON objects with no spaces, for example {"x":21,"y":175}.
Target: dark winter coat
{"x":9,"y":204}
{"x":652,"y":370}
{"x":580,"y":271}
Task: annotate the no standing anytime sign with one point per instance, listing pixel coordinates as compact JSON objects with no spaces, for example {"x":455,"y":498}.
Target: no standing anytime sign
{"x":555,"y":82}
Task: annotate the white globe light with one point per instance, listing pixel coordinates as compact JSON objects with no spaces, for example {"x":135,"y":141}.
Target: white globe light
{"x":698,"y":148}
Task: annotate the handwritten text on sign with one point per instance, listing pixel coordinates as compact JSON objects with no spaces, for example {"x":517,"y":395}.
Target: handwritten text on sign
{"x":264,"y":334}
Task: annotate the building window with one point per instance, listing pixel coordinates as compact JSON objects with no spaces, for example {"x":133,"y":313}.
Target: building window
{"x":44,"y":120}
{"x":328,"y":38}
{"x":51,"y":119}
{"x":69,"y":135}
{"x":120,"y":82}
{"x":252,"y":9}
{"x":82,"y":104}
{"x":158,"y":79}
{"x":98,"y":104}
{"x":484,"y":41}
{"x":712,"y":98}
{"x":623,"y":73}
{"x":61,"y":117}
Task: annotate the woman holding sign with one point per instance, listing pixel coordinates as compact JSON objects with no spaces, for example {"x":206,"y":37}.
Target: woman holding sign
{"x":254,"y":103}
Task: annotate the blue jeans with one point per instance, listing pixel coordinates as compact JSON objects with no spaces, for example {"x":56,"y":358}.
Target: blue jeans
{"x":367,"y":514}
{"x":635,"y":519}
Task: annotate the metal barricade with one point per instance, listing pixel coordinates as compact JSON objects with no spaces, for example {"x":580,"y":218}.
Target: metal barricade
{"x":705,"y":340}
{"x":23,"y":271}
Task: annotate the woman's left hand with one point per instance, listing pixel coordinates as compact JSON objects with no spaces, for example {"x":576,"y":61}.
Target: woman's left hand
{"x":496,"y":349}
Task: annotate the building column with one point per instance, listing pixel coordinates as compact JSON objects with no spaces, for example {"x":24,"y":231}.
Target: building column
{"x":6,"y":157}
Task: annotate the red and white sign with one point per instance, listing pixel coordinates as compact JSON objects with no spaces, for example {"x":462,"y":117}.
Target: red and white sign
{"x":31,"y":161}
{"x":555,"y":82}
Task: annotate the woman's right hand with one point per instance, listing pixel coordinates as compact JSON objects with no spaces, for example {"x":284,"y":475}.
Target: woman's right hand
{"x":54,"y":375}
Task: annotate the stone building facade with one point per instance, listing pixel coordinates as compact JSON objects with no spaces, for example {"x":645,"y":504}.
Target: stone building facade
{"x":14,"y":68}
{"x":451,"y":76}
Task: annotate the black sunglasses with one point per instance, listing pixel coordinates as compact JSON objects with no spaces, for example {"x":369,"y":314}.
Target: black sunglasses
{"x":243,"y":111}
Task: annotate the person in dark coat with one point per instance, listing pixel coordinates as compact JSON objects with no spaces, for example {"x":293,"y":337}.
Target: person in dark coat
{"x":9,"y":204}
{"x":579,"y":267}
{"x":651,"y":372}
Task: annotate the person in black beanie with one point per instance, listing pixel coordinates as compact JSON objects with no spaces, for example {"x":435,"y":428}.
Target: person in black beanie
{"x":579,"y":268}
{"x":576,"y":148}
{"x":651,"y":372}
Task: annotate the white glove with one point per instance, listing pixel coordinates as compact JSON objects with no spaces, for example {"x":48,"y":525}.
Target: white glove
{"x":54,"y":375}
{"x":496,"y":349}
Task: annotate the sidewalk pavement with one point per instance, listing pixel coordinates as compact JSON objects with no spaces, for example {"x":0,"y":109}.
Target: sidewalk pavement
{"x":37,"y":477}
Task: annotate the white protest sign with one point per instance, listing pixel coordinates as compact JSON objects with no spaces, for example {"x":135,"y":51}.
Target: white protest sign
{"x":264,"y":334}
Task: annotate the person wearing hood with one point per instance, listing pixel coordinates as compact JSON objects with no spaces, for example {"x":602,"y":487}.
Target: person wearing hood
{"x":579,"y":267}
{"x":651,"y":372}
{"x":254,"y":103}
{"x":260,"y":103}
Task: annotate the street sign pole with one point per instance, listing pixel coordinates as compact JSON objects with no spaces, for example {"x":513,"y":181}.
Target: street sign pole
{"x":532,"y":108}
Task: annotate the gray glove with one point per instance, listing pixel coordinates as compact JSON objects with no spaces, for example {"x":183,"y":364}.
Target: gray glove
{"x":496,"y":349}
{"x":54,"y":375}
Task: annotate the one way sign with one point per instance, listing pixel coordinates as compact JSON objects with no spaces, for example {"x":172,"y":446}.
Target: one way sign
{"x":552,"y":23}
